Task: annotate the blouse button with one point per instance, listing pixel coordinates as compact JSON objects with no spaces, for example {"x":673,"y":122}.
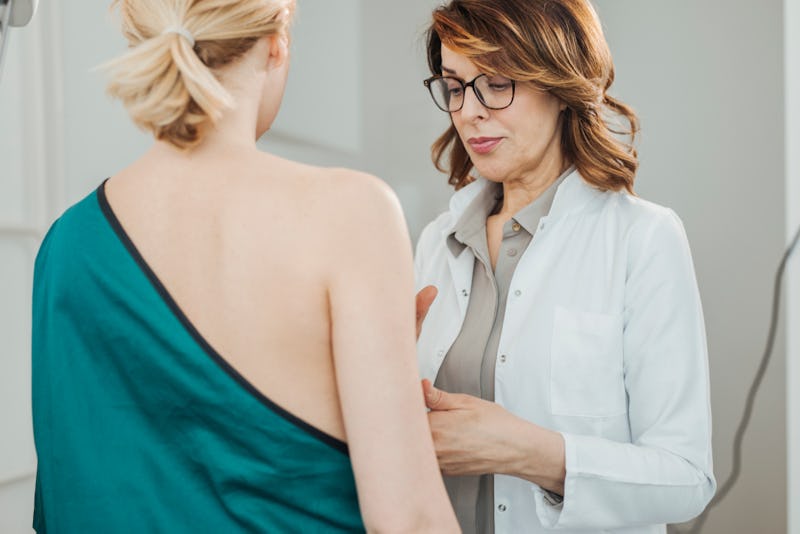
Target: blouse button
{"x":515,"y":227}
{"x":502,"y":507}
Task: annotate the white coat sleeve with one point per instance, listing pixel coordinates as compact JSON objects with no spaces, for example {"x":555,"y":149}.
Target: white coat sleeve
{"x":664,"y":475}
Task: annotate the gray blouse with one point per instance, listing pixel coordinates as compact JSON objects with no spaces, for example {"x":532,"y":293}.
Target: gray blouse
{"x":469,"y":365}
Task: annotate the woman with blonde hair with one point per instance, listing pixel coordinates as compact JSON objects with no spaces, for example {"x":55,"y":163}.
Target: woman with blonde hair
{"x":566,"y":345}
{"x":200,"y":363}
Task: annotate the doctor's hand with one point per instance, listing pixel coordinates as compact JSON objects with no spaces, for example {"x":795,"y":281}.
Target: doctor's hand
{"x":473,"y":436}
{"x":425,"y":298}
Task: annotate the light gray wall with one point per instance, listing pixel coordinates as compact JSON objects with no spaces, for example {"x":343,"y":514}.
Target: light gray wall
{"x":707,"y":80}
{"x":396,"y":120}
{"x":98,"y":138}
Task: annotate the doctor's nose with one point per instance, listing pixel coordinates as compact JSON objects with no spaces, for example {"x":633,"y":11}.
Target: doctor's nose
{"x":472,"y":108}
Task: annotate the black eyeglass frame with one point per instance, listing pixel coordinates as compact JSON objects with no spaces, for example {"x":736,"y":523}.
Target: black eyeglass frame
{"x":427,"y":83}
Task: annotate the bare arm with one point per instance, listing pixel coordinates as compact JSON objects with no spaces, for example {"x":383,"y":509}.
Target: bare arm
{"x":372,"y":304}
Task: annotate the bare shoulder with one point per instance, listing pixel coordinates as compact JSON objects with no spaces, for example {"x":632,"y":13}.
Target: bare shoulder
{"x":347,"y":198}
{"x":364,"y":193}
{"x":334,"y":205}
{"x":339,"y":187}
{"x":363,"y":218}
{"x":364,"y":205}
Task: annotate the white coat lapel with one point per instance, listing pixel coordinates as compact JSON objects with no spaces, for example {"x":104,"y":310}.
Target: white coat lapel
{"x":462,"y":265}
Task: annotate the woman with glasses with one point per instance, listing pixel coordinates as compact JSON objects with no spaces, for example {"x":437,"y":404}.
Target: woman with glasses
{"x":564,"y":356}
{"x":199,"y":362}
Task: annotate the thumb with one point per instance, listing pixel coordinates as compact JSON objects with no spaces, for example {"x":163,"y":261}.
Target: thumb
{"x":425,"y":298}
{"x":436,"y":399}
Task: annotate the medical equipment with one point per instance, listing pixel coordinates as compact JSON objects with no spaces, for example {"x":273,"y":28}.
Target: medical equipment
{"x":13,"y":13}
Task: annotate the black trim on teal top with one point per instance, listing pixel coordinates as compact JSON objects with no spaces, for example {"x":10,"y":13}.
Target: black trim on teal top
{"x":108,"y":212}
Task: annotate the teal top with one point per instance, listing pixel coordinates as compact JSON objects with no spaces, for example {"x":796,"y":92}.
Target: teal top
{"x":141,"y":426}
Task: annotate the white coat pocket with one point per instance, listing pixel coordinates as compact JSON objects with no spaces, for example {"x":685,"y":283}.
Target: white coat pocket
{"x":586,"y":377}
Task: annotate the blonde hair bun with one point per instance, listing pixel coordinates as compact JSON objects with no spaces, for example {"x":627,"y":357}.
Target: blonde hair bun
{"x":167,"y":78}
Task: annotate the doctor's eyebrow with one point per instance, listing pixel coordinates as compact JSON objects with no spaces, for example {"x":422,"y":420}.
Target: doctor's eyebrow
{"x":448,"y":71}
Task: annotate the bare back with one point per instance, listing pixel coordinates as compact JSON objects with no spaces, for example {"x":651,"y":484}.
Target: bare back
{"x":301,"y":278}
{"x":242,"y":246}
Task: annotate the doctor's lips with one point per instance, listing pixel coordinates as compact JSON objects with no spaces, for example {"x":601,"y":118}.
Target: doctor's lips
{"x":483,"y":145}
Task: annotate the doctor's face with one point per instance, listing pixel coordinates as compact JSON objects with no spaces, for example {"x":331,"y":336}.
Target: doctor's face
{"x":510,"y":143}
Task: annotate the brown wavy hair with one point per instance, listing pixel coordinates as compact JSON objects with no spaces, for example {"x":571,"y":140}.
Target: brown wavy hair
{"x":169,"y":84}
{"x":557,"y":45}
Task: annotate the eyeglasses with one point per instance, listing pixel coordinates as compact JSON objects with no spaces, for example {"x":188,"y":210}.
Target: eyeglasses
{"x":493,"y":92}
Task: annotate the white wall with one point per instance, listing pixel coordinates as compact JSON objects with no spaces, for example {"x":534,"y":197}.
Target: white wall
{"x":21,"y":209}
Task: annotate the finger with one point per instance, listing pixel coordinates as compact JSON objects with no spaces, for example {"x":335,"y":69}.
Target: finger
{"x":432,"y":395}
{"x":436,"y":399}
{"x":425,"y":298}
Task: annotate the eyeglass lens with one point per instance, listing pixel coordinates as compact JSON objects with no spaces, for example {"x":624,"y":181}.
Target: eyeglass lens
{"x":494,"y":92}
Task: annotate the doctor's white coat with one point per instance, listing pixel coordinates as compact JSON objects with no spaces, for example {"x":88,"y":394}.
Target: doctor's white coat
{"x":603,"y":341}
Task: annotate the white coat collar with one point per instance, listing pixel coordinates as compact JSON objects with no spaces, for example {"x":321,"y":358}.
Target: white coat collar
{"x":572,"y":195}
